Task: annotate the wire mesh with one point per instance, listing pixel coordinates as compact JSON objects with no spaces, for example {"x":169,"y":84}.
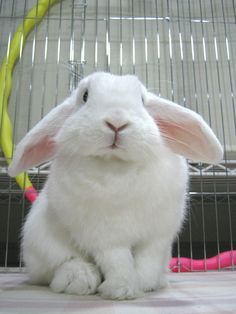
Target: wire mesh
{"x":182,"y":50}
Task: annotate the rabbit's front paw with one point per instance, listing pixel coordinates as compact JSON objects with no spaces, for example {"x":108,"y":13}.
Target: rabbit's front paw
{"x":76,"y":277}
{"x":162,"y":283}
{"x":118,"y":289}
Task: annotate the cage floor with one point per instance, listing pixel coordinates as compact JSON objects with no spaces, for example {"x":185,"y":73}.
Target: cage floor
{"x":213,"y":292}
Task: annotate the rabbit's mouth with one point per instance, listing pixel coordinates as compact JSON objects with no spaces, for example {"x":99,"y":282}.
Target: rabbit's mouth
{"x":115,"y":149}
{"x":116,"y":141}
{"x":114,"y":146}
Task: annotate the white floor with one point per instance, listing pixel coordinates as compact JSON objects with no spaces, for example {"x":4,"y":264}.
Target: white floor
{"x":188,"y":293}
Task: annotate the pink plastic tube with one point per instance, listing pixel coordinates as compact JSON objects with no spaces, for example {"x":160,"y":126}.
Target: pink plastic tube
{"x":31,"y":194}
{"x":223,"y":260}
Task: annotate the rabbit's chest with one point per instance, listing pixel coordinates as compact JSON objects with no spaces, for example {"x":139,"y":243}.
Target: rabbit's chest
{"x":100,"y":209}
{"x":110,"y":214}
{"x":106,"y":223}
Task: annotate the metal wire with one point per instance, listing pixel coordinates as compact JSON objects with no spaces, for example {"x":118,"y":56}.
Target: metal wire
{"x":108,"y":41}
{"x":234,"y":119}
{"x":9,"y":197}
{"x":18,"y":92}
{"x":133,"y":39}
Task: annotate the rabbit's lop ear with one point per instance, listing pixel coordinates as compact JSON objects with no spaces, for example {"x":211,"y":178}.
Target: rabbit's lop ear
{"x":39,"y":143}
{"x":184,"y":131}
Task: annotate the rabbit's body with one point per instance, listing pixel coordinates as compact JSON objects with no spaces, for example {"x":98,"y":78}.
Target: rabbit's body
{"x":121,"y":199}
{"x":115,"y":197}
{"x":106,"y":205}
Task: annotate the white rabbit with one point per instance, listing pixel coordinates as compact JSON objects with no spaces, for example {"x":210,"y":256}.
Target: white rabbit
{"x":115,"y":196}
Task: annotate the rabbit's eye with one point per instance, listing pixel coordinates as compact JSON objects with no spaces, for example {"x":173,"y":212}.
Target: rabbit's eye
{"x":85,"y":96}
{"x":142,"y":100}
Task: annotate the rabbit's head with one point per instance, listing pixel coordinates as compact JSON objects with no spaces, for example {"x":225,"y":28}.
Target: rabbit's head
{"x":110,"y":116}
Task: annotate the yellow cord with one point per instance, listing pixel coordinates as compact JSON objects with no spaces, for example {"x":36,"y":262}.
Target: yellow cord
{"x":34,"y":16}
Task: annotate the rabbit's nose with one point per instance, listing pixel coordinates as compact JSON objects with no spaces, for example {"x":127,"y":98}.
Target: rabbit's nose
{"x":116,"y":127}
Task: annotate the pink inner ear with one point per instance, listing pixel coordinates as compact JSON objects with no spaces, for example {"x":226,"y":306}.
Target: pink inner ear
{"x":184,"y":138}
{"x":167,"y":127}
{"x":183,"y":133}
{"x":38,"y":153}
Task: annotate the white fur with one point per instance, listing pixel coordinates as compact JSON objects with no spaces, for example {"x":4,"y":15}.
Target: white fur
{"x":106,"y":218}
